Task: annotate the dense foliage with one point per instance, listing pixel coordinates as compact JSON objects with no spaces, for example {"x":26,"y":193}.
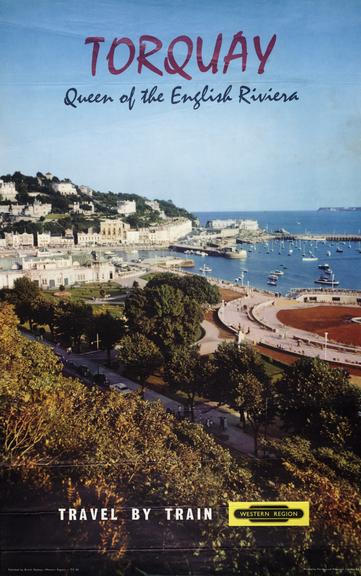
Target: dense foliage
{"x":164,"y":315}
{"x":193,"y":286}
{"x":120,"y":451}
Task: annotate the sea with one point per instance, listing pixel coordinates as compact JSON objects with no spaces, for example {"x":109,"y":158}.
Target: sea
{"x":346,"y":265}
{"x":286,"y":256}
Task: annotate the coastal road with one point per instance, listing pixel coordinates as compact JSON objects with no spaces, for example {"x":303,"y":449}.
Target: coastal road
{"x":207,"y":413}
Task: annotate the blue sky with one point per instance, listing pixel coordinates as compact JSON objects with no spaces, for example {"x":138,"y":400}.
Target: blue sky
{"x":299,"y":155}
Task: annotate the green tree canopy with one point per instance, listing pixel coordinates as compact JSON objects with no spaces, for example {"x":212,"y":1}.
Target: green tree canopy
{"x":314,"y":399}
{"x":72,"y":322}
{"x":187,"y":371}
{"x":196,"y":287}
{"x":165,"y":315}
{"x":140,"y":356}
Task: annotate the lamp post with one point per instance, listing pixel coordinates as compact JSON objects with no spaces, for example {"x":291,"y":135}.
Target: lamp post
{"x":325,"y":348}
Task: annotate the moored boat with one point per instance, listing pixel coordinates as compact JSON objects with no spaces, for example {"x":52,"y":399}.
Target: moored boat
{"x":327,"y":278}
{"x":309,"y":258}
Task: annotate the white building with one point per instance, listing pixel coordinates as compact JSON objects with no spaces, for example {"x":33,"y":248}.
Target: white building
{"x":154,"y":205}
{"x":89,"y":238}
{"x":113,"y":230}
{"x":66,"y":241}
{"x":43,"y":239}
{"x":64,"y":188}
{"x":52,"y":272}
{"x":49,"y":176}
{"x":250,"y":225}
{"x":12,"y":209}
{"x":221,"y":223}
{"x":126,"y":207}
{"x":165,"y":233}
{"x":8,"y":191}
{"x":132,"y":236}
{"x":82,"y":208}
{"x":37,"y":210}
{"x":19,"y":240}
{"x":86,"y":190}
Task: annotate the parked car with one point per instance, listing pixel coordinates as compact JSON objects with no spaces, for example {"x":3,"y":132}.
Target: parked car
{"x":119,"y":387}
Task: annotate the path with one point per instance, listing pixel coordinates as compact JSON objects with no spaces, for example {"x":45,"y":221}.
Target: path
{"x":256,"y":317}
{"x":211,"y":339}
{"x":237,"y":439}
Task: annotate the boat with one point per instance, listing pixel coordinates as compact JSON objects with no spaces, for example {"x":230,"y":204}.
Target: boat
{"x":327,"y":278}
{"x":271,"y":282}
{"x":290,"y":252}
{"x":328,"y":253}
{"x":324,"y":266}
{"x":309,"y":258}
{"x":278,"y":273}
{"x":233,"y":253}
{"x":339,"y":249}
{"x":205,"y":268}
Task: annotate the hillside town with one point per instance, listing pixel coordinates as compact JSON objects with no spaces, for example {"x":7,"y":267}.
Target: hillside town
{"x":46,"y":223}
{"x":31,"y":217}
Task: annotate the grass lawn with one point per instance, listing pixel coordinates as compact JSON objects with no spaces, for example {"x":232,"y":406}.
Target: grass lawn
{"x":275,"y":372}
{"x":55,"y":216}
{"x":88,"y":291}
{"x":116,"y":311}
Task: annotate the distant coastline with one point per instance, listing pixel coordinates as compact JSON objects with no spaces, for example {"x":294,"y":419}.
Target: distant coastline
{"x":340,"y":209}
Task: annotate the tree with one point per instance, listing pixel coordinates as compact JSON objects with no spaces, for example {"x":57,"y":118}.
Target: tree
{"x":175,"y":318}
{"x":72,"y":322}
{"x":165,"y":315}
{"x":298,"y":473}
{"x":135,"y":311}
{"x":187,"y":371}
{"x":196,"y":287}
{"x":44,"y":312}
{"x":140,"y":356}
{"x":23,"y":296}
{"x":231,"y":361}
{"x":250,"y":396}
{"x":109,"y":331}
{"x":310,"y":397}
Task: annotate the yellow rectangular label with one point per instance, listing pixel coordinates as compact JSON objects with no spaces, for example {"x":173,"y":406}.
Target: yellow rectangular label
{"x":269,"y":513}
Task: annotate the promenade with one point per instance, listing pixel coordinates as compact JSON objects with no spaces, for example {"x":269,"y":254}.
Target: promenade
{"x":254,"y":319}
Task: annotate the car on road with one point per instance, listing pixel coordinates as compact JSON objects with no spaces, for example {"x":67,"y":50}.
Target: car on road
{"x":119,"y":387}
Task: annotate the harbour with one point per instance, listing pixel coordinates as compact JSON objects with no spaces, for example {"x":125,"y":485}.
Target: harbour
{"x":277,"y":256}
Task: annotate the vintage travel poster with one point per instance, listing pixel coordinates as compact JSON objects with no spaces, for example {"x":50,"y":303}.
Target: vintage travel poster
{"x":180,"y":287}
